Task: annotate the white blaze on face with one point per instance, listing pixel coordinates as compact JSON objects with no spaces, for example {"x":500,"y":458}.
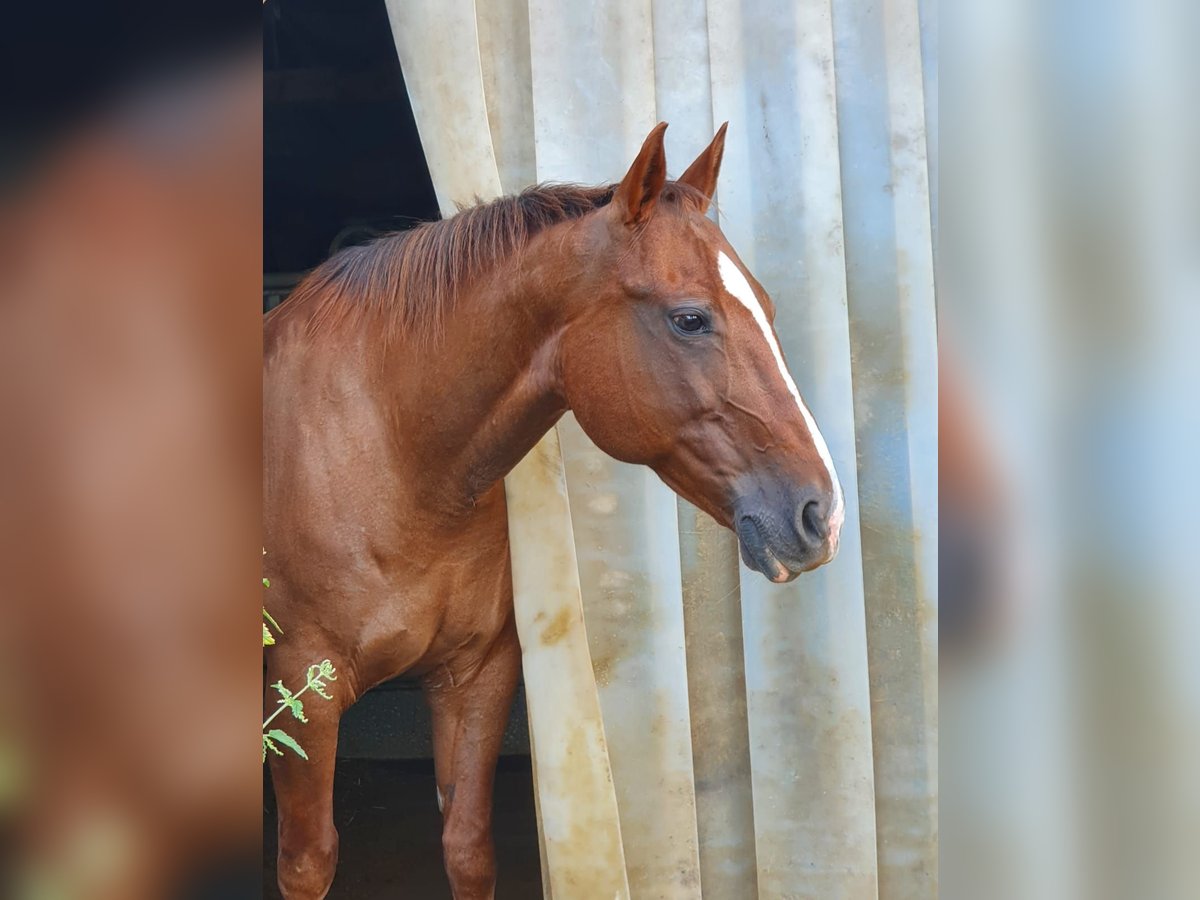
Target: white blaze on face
{"x":737,"y":285}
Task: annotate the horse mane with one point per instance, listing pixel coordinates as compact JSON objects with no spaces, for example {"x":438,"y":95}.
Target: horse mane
{"x":411,"y":278}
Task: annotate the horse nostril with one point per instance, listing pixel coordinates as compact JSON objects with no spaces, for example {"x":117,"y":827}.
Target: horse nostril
{"x":814,"y":522}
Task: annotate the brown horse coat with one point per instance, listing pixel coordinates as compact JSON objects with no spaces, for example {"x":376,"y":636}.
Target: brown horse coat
{"x":402,"y":382}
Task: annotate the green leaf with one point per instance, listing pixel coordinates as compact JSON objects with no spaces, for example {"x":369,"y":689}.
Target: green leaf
{"x":319,"y":687}
{"x":268,"y":638}
{"x":316,"y":676}
{"x":268,"y":744}
{"x":289,"y":700}
{"x":266,"y":582}
{"x":267,"y":616}
{"x":288,"y":741}
{"x":297,"y":708}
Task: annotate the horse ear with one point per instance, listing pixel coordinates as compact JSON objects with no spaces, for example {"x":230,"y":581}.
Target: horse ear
{"x":702,"y":174}
{"x":639,"y":189}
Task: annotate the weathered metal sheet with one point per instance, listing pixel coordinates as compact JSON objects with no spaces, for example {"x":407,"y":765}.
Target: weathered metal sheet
{"x":682,"y":88}
{"x":889,"y":266}
{"x":826,"y":194}
{"x":927,"y":11}
{"x":577,"y":809}
{"x":805,"y":646}
{"x":439,"y":46}
{"x":503,"y":27}
{"x":717,"y":697}
{"x":594,"y":103}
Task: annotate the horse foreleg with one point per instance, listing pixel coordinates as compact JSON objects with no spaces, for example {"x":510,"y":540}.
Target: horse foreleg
{"x":308,"y":840}
{"x":468,"y":726}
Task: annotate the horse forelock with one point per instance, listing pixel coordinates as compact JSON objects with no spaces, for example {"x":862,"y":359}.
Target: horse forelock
{"x":409,"y":281}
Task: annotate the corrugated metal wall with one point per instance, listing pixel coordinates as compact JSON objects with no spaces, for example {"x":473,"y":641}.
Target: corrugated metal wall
{"x":762,"y":740}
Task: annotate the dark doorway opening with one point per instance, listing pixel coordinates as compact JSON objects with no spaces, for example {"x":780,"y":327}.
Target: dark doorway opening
{"x":342,"y":159}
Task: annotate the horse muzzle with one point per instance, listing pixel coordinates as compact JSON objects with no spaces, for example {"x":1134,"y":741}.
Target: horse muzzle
{"x":796,"y":533}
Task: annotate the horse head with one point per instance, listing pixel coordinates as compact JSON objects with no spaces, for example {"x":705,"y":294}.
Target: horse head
{"x":673,"y":362}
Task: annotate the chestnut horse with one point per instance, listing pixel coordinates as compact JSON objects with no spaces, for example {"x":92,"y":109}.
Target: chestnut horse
{"x":403,"y":380}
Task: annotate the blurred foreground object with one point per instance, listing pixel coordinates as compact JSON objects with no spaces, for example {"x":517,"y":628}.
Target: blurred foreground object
{"x":1070,"y":267}
{"x":973,"y":523}
{"x":130,"y":268}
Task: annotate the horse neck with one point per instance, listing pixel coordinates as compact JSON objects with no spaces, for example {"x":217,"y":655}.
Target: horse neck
{"x":489,"y":388}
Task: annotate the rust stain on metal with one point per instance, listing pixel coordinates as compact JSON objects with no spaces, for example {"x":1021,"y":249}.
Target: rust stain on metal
{"x":558,"y":628}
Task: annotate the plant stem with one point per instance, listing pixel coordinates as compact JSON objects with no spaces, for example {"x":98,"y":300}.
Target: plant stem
{"x":283,"y":705}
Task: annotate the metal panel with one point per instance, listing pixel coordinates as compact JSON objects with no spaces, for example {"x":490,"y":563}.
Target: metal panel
{"x":805,"y":645}
{"x":577,"y":809}
{"x":504,"y":57}
{"x":889,"y":266}
{"x":593,"y":101}
{"x":928,"y":14}
{"x":826,"y":195}
{"x":439,"y":46}
{"x":717,"y":696}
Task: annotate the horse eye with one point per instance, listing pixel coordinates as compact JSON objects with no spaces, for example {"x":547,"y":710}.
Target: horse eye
{"x":690,"y":322}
